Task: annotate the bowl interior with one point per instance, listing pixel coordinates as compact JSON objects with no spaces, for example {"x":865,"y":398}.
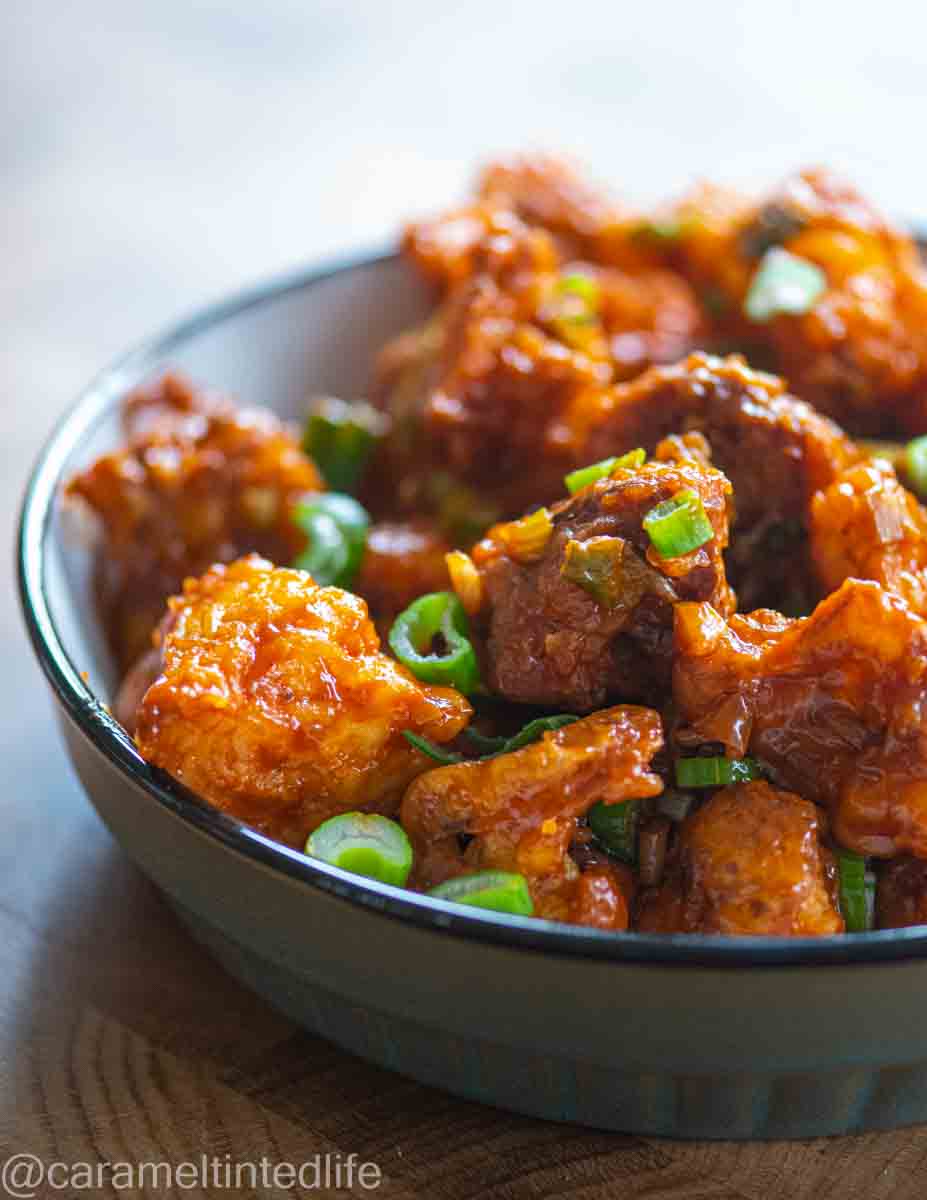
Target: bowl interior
{"x":274,"y":348}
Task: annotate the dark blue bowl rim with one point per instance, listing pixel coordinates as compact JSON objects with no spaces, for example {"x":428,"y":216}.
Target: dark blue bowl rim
{"x":102,"y":731}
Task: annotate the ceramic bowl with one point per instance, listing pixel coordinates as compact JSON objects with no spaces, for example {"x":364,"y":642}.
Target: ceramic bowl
{"x":684,"y":1036}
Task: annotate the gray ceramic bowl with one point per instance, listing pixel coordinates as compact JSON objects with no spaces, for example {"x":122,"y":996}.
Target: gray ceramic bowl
{"x":685,"y":1036}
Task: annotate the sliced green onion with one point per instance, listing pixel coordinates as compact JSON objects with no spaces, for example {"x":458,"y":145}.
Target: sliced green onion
{"x":502,"y":891}
{"x":595,"y":566}
{"x":572,"y":311}
{"x":577,"y":480}
{"x":328,"y":556}
{"x":783,"y":283}
{"x":857,"y":891}
{"x":532,"y":732}
{"x":616,"y":826}
{"x":915,"y":461}
{"x":339,"y":437}
{"x":336,"y":526}
{"x":438,"y":753}
{"x":366,"y":844}
{"x":438,"y":615}
{"x":715,"y":772}
{"x":679,"y":525}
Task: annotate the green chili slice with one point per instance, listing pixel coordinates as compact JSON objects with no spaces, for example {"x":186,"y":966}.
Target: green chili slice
{"x":366,"y":844}
{"x":339,"y":437}
{"x":783,"y":284}
{"x":440,"y":617}
{"x":679,"y":525}
{"x":915,"y":462}
{"x":577,"y":480}
{"x":328,"y":556}
{"x":336,"y":526}
{"x":857,"y":891}
{"x":616,"y":826}
{"x":715,"y":772}
{"x":501,"y":891}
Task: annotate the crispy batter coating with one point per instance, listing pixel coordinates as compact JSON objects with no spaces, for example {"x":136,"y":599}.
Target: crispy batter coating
{"x":587,"y":617}
{"x":749,"y":861}
{"x":901,"y":893}
{"x":275,"y":703}
{"x":776,"y":451}
{"x":550,"y":192}
{"x":198,"y":482}
{"x":507,"y":394}
{"x":867,"y":526}
{"x":481,"y":391}
{"x":541,"y":191}
{"x":518,"y":812}
{"x":860,"y":353}
{"x":403,"y":560}
{"x":835,"y":704}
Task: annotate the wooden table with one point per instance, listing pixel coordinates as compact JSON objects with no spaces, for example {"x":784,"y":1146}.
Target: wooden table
{"x":155,"y":155}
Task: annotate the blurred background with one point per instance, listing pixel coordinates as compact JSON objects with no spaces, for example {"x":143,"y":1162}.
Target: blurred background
{"x":154,"y":155}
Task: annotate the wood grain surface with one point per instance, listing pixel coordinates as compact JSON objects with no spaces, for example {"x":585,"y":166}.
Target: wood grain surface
{"x":154,"y":155}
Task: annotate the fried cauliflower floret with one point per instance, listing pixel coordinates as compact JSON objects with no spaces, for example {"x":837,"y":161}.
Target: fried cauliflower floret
{"x":835,"y":704}
{"x":750,"y":861}
{"x":518,"y":812}
{"x":587,"y":616}
{"x":275,"y":703}
{"x":548,"y":191}
{"x":860,"y":351}
{"x":901,"y":893}
{"x":867,"y":526}
{"x":526,"y":328}
{"x":197,"y":482}
{"x":542,"y":193}
{"x":776,"y":451}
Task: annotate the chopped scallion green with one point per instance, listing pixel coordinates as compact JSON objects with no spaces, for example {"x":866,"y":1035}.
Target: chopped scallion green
{"x":577,"y":480}
{"x":366,"y":844}
{"x":857,"y":891}
{"x":339,"y":437}
{"x":336,"y":527}
{"x":915,"y":462}
{"x":715,"y":772}
{"x":616,"y":827}
{"x":501,"y":891}
{"x":439,"y":615}
{"x":783,"y":283}
{"x":679,"y":525}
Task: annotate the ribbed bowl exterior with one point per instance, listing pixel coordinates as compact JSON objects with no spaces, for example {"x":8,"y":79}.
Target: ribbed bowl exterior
{"x":686,"y":1052}
{"x":731,"y":1105}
